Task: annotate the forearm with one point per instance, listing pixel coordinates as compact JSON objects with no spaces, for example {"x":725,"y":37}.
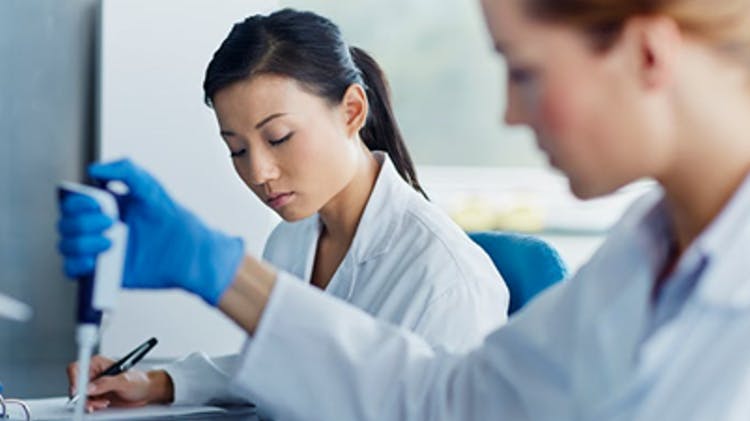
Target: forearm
{"x":248,"y":294}
{"x":243,"y":302}
{"x":354,"y":356}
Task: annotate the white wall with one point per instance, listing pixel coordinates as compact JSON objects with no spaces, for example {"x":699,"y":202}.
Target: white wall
{"x":153,"y":57}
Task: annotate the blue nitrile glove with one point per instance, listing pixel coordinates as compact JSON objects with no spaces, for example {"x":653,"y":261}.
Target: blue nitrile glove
{"x":168,"y":247}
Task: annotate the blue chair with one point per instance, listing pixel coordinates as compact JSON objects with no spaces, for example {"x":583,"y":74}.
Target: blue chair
{"x":528,"y":264}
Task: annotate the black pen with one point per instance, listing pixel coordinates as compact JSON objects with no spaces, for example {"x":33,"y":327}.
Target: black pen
{"x":124,"y":363}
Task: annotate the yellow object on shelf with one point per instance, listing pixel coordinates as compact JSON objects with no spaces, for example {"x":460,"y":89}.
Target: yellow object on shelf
{"x":474,"y":214}
{"x":518,"y":213}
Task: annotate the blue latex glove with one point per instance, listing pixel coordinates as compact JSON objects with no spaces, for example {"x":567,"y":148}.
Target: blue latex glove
{"x":168,"y":247}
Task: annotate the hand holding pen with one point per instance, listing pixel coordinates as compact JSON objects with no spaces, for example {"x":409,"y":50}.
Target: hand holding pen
{"x":115,"y":384}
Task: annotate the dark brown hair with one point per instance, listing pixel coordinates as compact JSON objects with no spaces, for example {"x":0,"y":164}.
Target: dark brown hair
{"x":309,"y":49}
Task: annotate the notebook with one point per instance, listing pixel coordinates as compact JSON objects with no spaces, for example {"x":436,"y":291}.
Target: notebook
{"x":56,"y":409}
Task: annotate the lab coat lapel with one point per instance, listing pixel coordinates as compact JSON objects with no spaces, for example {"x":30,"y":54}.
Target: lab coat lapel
{"x":308,"y":246}
{"x":376,"y":229}
{"x":722,"y":288}
{"x":618,"y":305}
{"x":726,"y":283}
{"x":727,"y":241}
{"x":621,"y":328}
{"x":617,"y":329}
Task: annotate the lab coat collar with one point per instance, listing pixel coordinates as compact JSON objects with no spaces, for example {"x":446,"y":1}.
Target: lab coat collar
{"x":383,"y":213}
{"x":642,"y":242}
{"x":726,"y":244}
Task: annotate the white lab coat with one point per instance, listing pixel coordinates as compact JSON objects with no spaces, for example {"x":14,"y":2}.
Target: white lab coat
{"x":594,"y":348}
{"x":408,"y":264}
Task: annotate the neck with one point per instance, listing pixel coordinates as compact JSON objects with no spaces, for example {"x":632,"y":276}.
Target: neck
{"x":341,"y":215}
{"x":704,"y":176}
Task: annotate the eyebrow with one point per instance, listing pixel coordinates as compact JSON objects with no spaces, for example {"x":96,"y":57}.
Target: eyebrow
{"x":267,"y":119}
{"x":257,"y":126}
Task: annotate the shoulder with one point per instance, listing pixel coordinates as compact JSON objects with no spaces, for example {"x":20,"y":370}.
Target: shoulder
{"x":435,"y":244}
{"x":439,"y":235}
{"x":467,"y":297}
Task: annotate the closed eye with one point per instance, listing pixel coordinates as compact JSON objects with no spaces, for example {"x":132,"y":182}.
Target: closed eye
{"x":282,"y":140}
{"x":519,"y":76}
{"x":243,"y":151}
{"x":235,"y":154}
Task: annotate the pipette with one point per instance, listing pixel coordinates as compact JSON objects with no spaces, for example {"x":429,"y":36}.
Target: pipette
{"x":97,"y":292}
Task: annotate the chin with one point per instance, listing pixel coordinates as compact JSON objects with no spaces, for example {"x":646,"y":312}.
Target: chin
{"x":586,"y":191}
{"x":292,"y":215}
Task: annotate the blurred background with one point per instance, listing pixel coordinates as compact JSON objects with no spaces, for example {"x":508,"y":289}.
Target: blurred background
{"x":88,"y":79}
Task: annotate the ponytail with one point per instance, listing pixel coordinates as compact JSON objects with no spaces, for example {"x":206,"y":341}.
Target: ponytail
{"x":381,"y":132}
{"x":309,"y":49}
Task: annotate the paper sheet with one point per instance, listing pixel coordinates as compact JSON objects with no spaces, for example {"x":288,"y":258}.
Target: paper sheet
{"x":11,"y":308}
{"x":54,"y":409}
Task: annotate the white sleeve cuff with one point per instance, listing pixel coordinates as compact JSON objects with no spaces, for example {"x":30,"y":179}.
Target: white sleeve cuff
{"x":198,"y":380}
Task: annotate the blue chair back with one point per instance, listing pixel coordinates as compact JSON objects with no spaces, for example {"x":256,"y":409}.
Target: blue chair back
{"x":528,"y":264}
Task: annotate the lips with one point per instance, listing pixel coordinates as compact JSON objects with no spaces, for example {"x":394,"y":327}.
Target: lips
{"x":278,"y":200}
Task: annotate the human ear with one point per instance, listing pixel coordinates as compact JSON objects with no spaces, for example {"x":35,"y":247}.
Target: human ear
{"x":354,"y":108}
{"x":656,"y":42}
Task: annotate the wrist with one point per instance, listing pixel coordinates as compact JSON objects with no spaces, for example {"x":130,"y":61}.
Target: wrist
{"x":161,"y":388}
{"x":248,"y":293}
{"x":221,"y":256}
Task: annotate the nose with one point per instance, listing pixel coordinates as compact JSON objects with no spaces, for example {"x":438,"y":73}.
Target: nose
{"x":514,"y":114}
{"x":262,"y":168}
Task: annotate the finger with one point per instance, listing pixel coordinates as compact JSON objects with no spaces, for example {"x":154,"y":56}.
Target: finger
{"x":139,"y":182}
{"x":106,"y":384}
{"x":72,"y":371}
{"x":75,"y":267}
{"x":88,"y":223}
{"x":83,"y":246}
{"x":75,"y":203}
{"x":96,"y":404}
{"x":100,"y":363}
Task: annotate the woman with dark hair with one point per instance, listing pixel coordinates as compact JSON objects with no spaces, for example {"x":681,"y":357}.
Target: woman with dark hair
{"x":310,"y":130}
{"x":654,"y":327}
